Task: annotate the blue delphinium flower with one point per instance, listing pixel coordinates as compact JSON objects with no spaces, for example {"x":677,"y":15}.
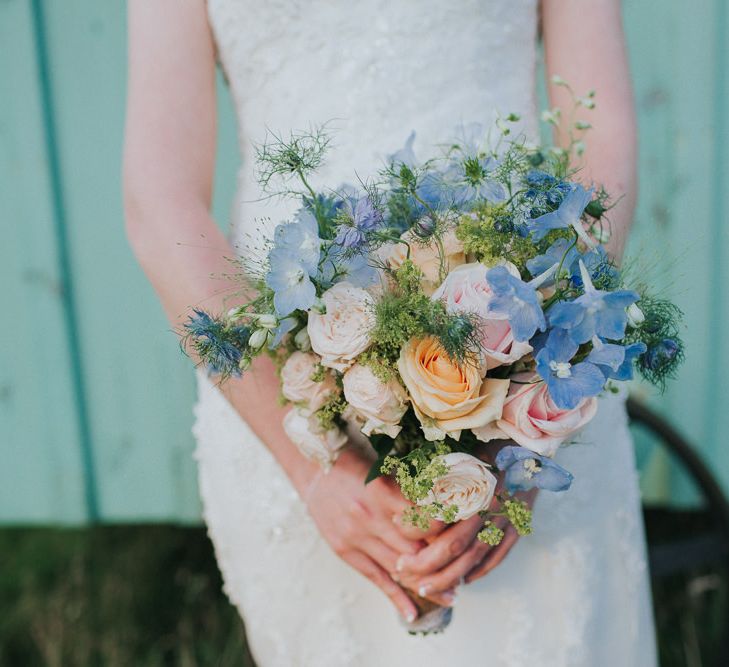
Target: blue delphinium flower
{"x":594,"y":313}
{"x":289,"y":279}
{"x":524,"y":470}
{"x":339,"y":266}
{"x":284,"y":326}
{"x":561,"y":251}
{"x":567,"y":215}
{"x":568,"y":383}
{"x":615,"y":361}
{"x":363,"y":218}
{"x":518,"y":301}
{"x":598,"y":265}
{"x":301,"y":237}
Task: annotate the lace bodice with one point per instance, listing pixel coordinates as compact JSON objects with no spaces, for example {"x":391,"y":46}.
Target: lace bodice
{"x":375,"y":70}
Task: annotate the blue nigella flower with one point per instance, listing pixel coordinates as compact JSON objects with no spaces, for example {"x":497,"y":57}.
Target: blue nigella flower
{"x":615,"y":361}
{"x":220,"y":348}
{"x":364,"y":218}
{"x":594,"y":313}
{"x":567,"y":215}
{"x":302,"y":238}
{"x":524,"y":470}
{"x":518,"y":301}
{"x":568,"y":383}
{"x":469,"y":180}
{"x":562,"y":250}
{"x":288,"y":277}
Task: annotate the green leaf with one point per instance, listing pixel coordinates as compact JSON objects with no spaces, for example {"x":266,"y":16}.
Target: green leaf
{"x":375,"y":470}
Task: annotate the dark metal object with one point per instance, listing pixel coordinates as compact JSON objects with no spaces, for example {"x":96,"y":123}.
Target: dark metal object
{"x":709,"y":548}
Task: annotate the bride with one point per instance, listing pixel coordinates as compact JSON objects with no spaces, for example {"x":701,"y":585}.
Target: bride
{"x":303,"y":554}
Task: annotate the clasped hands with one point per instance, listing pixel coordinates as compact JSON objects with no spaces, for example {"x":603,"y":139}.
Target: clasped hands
{"x":364,"y":526}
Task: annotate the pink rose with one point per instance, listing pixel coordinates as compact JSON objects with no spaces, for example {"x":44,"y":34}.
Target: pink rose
{"x":466,"y":290}
{"x":531,"y":419}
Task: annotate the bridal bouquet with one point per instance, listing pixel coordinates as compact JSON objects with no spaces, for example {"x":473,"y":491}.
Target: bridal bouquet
{"x":449,"y":302}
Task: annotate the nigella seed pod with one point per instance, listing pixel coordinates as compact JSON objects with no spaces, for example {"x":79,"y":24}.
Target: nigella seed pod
{"x":245,"y":363}
{"x":661,"y":354}
{"x":424,"y":228}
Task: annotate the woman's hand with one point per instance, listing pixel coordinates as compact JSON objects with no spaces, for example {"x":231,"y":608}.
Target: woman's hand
{"x":359,"y":523}
{"x":456,"y":556}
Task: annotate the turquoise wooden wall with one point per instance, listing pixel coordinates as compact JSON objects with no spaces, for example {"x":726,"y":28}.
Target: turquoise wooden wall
{"x":95,"y":398}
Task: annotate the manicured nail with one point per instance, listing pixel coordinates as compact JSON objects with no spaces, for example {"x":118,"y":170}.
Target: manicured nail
{"x":401,"y":562}
{"x":423,"y":590}
{"x":395,"y":520}
{"x":411,"y":616}
{"x":449,"y":598}
{"x":395,"y":578}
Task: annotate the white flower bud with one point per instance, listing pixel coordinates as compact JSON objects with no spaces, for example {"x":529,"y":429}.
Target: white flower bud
{"x":601,"y":234}
{"x":267,"y":321}
{"x":319,"y":307}
{"x":557,"y":80}
{"x":245,"y":363}
{"x":258,"y":339}
{"x":635,"y":316}
{"x":302,"y":340}
{"x":235,"y":313}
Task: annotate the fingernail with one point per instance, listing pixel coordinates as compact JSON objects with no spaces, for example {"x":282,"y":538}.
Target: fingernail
{"x":449,"y":598}
{"x":423,"y":590}
{"x":401,"y":562}
{"x":395,"y":519}
{"x":395,"y":578}
{"x":411,"y":616}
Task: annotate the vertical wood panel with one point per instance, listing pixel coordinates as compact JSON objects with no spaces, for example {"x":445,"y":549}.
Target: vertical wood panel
{"x":41,"y":476}
{"x":673,"y":52}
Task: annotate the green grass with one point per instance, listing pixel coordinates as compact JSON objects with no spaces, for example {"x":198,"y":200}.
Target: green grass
{"x":114,"y":596}
{"x":151,"y":596}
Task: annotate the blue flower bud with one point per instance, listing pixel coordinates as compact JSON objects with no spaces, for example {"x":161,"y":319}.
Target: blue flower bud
{"x":424,"y":227}
{"x":661,"y":354}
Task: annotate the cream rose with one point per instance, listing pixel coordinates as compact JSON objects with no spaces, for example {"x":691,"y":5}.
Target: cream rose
{"x":466,"y":290}
{"x":532,"y":420}
{"x":426,"y":256}
{"x":311,"y":440}
{"x":468,"y":484}
{"x":342,"y":332}
{"x":447,"y":397}
{"x":297,"y":385}
{"x":378,"y":404}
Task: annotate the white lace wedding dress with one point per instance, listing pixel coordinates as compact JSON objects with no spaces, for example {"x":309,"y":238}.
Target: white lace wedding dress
{"x":576,"y":591}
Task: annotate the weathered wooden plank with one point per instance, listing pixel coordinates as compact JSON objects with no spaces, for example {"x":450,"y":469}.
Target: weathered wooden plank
{"x":140,"y":388}
{"x":41,"y":477}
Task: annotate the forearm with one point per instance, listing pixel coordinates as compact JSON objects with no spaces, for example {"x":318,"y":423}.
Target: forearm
{"x":584,"y":44}
{"x":186,"y":257}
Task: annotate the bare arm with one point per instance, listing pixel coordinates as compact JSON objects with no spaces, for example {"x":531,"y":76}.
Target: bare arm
{"x":168,"y":169}
{"x":585,"y":45}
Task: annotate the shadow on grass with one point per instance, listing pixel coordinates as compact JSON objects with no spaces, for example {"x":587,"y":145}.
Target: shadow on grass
{"x":113,"y":596}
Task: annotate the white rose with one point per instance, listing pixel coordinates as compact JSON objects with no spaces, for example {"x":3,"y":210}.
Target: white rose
{"x":466,"y":290}
{"x":297,"y":385}
{"x":468,"y":484}
{"x":342,"y":332}
{"x":312,"y":441}
{"x":380,"y":405}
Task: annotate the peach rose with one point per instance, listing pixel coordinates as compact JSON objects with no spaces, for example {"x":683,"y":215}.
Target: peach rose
{"x":466,"y":290}
{"x":531,"y":419}
{"x":297,"y":385}
{"x":447,"y":397}
{"x":426,"y":256}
